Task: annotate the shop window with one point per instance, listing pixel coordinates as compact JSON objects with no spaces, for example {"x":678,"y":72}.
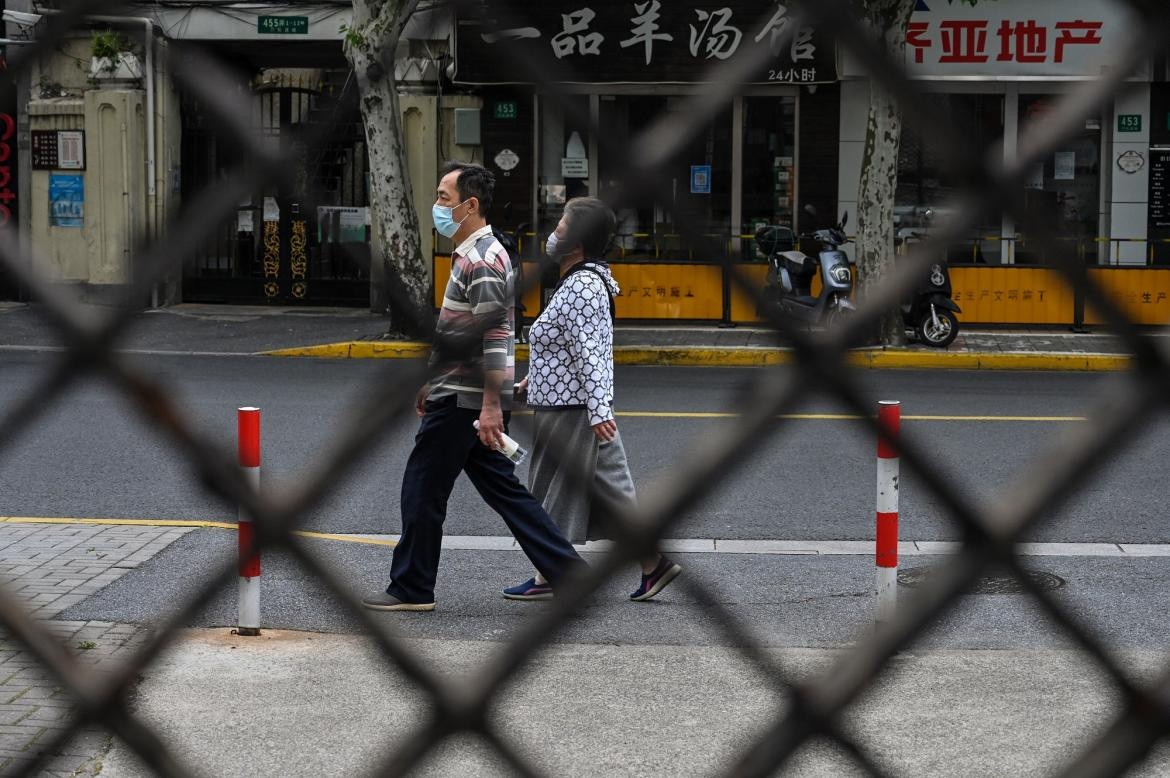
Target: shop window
{"x":769,"y":166}
{"x":1065,"y":190}
{"x":564,"y":157}
{"x":927,"y":186}
{"x":684,"y":212}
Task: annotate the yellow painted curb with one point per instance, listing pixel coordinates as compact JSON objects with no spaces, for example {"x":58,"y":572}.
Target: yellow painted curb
{"x":754,"y":357}
{"x":193,"y":523}
{"x":966,"y":360}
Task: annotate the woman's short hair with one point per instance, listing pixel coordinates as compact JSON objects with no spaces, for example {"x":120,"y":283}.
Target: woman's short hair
{"x":590,"y":224}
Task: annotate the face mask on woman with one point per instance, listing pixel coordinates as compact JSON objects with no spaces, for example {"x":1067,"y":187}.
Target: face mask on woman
{"x":445,"y":223}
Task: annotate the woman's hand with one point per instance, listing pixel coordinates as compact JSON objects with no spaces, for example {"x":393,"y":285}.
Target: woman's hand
{"x":605,"y":431}
{"x":520,"y":390}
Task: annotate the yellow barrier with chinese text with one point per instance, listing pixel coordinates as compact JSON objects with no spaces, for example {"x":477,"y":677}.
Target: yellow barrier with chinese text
{"x":678,"y":291}
{"x":1142,"y":293}
{"x":1012,"y":294}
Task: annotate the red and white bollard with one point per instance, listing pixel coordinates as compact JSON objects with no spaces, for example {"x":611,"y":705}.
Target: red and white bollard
{"x":249,"y":595}
{"x":889,"y":422}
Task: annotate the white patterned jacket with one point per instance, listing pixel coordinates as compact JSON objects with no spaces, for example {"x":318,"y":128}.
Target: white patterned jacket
{"x":570,"y":363}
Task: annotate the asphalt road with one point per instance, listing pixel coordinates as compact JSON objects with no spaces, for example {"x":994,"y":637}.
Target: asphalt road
{"x":993,"y":670}
{"x":91,"y":456}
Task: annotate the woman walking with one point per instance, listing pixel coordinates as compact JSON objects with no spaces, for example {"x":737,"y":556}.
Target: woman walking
{"x":570,"y":389}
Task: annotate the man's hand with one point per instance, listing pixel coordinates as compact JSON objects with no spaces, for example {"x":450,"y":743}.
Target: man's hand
{"x":605,"y":431}
{"x":520,"y":390}
{"x":420,"y":400}
{"x":491,"y":424}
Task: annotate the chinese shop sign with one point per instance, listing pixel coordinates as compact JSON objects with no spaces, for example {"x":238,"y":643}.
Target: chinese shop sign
{"x":638,"y":42}
{"x":1017,"y":38}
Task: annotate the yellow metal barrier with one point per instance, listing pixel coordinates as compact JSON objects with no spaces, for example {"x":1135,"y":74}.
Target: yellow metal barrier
{"x":1142,"y":293}
{"x":988,"y":294}
{"x":663,"y":291}
{"x":1012,"y":294}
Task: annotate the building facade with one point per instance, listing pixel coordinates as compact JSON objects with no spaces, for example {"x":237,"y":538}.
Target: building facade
{"x":555,"y":103}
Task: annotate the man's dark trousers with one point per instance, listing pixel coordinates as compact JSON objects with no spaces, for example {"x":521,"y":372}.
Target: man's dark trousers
{"x":446,"y":444}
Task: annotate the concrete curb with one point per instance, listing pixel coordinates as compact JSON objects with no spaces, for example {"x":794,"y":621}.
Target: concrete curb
{"x":684,"y":356}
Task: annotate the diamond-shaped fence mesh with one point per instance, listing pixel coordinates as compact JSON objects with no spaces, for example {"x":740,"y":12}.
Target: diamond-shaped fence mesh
{"x":814,"y":709}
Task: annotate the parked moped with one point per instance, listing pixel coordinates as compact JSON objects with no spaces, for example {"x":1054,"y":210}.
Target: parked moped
{"x":791,"y":273}
{"x":929,"y":311}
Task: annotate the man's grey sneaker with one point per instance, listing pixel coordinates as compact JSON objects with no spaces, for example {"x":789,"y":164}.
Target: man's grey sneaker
{"x":385,"y":602}
{"x":657,"y":580}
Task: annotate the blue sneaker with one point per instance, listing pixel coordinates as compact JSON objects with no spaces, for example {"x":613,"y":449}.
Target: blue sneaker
{"x":657,"y":580}
{"x":529,"y":590}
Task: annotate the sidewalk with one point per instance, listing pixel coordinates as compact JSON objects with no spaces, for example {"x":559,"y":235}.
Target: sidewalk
{"x":339,"y":333}
{"x":311,"y":703}
{"x":587,"y":710}
{"x":49,"y":568}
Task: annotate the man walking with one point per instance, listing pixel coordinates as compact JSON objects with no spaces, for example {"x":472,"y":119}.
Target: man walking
{"x":475,"y":361}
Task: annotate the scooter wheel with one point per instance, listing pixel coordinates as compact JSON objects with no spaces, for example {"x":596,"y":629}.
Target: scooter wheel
{"x":836,"y":317}
{"x":938,"y":335}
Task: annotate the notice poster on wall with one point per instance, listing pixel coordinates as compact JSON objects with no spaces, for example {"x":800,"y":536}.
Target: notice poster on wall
{"x":1065,"y":168}
{"x":336,"y":224}
{"x":700,"y":179}
{"x":66,"y":200}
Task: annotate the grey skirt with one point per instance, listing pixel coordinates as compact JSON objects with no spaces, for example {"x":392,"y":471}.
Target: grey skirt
{"x":563,"y":443}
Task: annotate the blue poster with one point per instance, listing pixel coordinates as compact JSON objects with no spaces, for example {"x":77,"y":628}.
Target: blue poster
{"x":66,"y":200}
{"x":700,"y":179}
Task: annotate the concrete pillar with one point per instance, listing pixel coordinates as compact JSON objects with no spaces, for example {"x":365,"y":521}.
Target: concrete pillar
{"x":854,"y":119}
{"x":62,"y":250}
{"x":1130,"y":201}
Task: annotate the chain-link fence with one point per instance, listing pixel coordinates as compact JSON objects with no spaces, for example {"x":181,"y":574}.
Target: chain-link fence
{"x":991,"y":529}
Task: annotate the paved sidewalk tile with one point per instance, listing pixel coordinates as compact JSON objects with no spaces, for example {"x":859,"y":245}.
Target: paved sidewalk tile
{"x":49,"y":568}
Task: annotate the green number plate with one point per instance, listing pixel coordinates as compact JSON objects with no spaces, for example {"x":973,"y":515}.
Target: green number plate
{"x":1129,"y":122}
{"x":282,"y":25}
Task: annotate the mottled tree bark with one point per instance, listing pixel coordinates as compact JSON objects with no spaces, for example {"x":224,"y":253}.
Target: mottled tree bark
{"x":889,"y":19}
{"x":369,"y":45}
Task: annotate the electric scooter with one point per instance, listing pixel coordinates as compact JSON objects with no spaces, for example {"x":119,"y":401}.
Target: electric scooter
{"x":791,"y":273}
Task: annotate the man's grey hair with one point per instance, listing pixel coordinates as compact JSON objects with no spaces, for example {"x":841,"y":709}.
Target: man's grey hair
{"x":590,"y":225}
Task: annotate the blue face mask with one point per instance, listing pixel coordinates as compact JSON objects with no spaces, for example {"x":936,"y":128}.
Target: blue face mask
{"x":445,"y":224}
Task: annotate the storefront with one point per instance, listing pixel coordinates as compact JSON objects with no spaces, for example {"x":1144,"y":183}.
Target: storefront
{"x":624,"y":69}
{"x":998,"y":69}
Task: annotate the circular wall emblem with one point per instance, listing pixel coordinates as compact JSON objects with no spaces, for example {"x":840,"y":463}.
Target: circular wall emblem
{"x":1131,"y":161}
{"x":507,"y":160}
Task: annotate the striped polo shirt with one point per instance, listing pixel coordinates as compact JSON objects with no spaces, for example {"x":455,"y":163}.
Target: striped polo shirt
{"x":474,"y":331}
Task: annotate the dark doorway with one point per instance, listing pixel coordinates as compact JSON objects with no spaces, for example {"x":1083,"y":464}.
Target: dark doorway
{"x":305,"y":240}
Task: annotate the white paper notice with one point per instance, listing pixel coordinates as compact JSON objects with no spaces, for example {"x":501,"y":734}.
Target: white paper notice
{"x":1066,"y":166}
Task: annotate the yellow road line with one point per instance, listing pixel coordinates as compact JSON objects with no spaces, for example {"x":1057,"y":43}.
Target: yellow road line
{"x":844,"y":417}
{"x":193,"y":523}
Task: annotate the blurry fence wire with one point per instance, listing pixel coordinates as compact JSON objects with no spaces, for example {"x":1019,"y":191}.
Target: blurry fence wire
{"x":814,"y":709}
